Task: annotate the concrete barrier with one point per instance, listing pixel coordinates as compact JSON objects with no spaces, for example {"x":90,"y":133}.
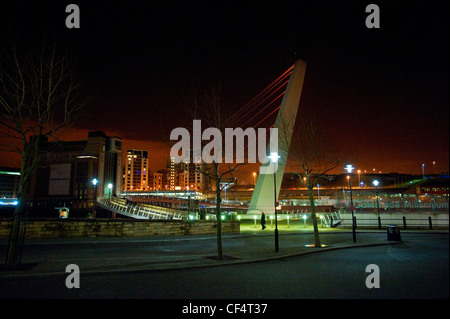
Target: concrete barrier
{"x":60,"y":228}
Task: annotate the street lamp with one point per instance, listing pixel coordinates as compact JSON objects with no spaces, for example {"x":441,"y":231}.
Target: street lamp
{"x":274,"y":158}
{"x":254,"y":179}
{"x":349,"y":169}
{"x":359,"y":178}
{"x":376,"y":183}
{"x":94,"y":182}
{"x":110,"y":186}
{"x":423,"y":171}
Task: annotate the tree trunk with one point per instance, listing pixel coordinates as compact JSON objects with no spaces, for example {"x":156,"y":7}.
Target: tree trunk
{"x":314,"y":218}
{"x":219,"y":221}
{"x":17,"y":233}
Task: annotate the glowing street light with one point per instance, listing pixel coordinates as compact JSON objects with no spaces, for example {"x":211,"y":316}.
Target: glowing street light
{"x":274,"y":158}
{"x":423,"y":171}
{"x":349,"y":169}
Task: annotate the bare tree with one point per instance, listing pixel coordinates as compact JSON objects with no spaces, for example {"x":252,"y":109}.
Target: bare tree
{"x":312,"y":157}
{"x":38,"y":98}
{"x":209,"y":107}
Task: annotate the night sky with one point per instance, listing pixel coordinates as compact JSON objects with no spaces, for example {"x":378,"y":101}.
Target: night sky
{"x":381,"y":94}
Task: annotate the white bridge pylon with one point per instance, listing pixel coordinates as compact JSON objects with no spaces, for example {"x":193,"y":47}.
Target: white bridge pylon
{"x":263,"y":198}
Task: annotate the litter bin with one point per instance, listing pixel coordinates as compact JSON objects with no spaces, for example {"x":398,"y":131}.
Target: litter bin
{"x":393,"y":233}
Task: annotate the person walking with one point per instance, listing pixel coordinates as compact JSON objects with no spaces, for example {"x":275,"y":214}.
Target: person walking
{"x":263,"y":221}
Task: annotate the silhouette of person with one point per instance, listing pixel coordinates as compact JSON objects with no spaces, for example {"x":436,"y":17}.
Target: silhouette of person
{"x":263,"y":221}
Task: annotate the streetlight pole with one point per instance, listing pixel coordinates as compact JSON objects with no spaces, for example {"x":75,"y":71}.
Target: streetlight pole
{"x":359,"y":178}
{"x":94,"y":205}
{"x":349,"y":169}
{"x":375,"y":183}
{"x":423,"y":171}
{"x":274,"y":158}
{"x":189,"y":201}
{"x":110,"y":186}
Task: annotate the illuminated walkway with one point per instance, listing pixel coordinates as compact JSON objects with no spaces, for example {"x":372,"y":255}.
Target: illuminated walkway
{"x":138,"y":210}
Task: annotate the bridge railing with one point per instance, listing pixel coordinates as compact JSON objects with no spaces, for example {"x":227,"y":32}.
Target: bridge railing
{"x":137,"y":210}
{"x":405,"y":220}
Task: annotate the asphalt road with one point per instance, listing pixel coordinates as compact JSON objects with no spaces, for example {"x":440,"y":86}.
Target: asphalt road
{"x":416,"y":268}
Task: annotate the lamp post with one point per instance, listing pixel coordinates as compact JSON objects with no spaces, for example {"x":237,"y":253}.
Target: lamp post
{"x":94,"y":205}
{"x":189,"y":200}
{"x":349,"y":169}
{"x":274,"y":158}
{"x":110,"y":186}
{"x":359,"y":178}
{"x":375,"y":183}
{"x":423,"y":171}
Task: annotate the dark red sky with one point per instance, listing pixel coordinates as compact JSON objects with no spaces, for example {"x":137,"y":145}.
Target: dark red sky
{"x":382,"y":95}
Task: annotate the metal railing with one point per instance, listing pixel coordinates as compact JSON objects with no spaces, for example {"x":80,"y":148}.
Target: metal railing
{"x":139,"y":211}
{"x":406,"y":222}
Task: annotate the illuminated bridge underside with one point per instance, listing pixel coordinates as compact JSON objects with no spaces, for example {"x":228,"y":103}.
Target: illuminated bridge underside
{"x":263,"y":196}
{"x":140,"y":211}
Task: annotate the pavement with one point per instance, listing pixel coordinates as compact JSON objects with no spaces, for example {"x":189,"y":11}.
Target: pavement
{"x":112,"y":255}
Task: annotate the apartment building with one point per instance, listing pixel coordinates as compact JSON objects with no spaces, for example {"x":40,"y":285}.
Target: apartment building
{"x":135,"y":171}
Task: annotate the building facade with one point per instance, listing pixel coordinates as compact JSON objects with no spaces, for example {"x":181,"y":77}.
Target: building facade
{"x":66,"y":171}
{"x":136,"y":171}
{"x":195,"y":178}
{"x":156,"y":181}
